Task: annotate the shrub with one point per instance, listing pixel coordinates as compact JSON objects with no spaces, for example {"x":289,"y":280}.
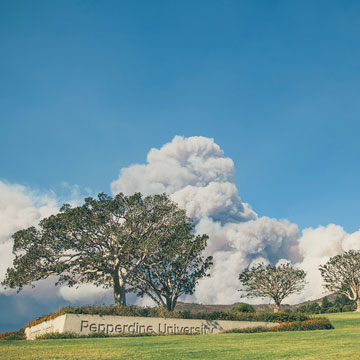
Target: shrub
{"x":333,"y":309}
{"x":284,"y":317}
{"x":245,"y":308}
{"x":302,"y":309}
{"x":349,"y":307}
{"x":313,"y":324}
{"x":313,"y":308}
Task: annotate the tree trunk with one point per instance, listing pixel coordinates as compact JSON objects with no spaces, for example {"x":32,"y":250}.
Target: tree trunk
{"x":119,"y":291}
{"x":276,"y":308}
{"x":170,"y":304}
{"x":357,"y":305}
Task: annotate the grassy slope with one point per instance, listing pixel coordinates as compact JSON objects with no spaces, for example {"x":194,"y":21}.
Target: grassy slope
{"x":343,"y":342}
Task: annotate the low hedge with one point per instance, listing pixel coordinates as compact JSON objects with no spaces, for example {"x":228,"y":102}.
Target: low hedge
{"x":157,"y":312}
{"x":313,"y":324}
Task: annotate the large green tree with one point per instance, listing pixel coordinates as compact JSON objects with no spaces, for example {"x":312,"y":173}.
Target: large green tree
{"x":105,"y":241}
{"x":274,"y":282}
{"x":341,"y":274}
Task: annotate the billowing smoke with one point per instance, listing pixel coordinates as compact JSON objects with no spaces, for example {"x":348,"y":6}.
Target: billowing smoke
{"x":197,"y":175}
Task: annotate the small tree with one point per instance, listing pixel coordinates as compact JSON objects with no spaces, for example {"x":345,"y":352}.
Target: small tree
{"x":341,"y":274}
{"x":314,"y":308}
{"x":326,"y":305}
{"x":274,"y":282}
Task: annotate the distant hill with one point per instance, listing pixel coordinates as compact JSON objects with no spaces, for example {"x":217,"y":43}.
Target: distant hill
{"x":180,"y":306}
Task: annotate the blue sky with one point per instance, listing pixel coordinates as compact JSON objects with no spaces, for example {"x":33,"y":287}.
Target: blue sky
{"x":89,"y":87}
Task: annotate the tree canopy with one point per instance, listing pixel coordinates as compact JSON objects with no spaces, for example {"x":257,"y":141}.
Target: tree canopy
{"x":274,"y":282}
{"x":106,"y":241}
{"x":174,"y":269}
{"x":341,"y":274}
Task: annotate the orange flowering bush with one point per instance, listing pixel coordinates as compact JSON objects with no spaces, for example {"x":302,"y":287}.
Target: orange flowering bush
{"x":313,"y":324}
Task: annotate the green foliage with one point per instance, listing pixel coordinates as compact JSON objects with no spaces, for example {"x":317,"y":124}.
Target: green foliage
{"x":283,"y":317}
{"x":340,"y":304}
{"x":343,"y":303}
{"x":313,"y":308}
{"x":326,"y":305}
{"x":347,"y":308}
{"x":333,"y":309}
{"x":274,"y":282}
{"x":303,"y":309}
{"x":173,"y":269}
{"x":246,"y":308}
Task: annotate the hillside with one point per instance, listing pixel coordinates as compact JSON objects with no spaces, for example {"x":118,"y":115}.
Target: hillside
{"x":180,"y":306}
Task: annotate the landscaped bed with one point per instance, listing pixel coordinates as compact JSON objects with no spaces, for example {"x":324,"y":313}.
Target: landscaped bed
{"x":117,"y":310}
{"x":283,"y":321}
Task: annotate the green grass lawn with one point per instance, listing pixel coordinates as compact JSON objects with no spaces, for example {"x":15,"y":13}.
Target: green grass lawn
{"x":341,"y":343}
